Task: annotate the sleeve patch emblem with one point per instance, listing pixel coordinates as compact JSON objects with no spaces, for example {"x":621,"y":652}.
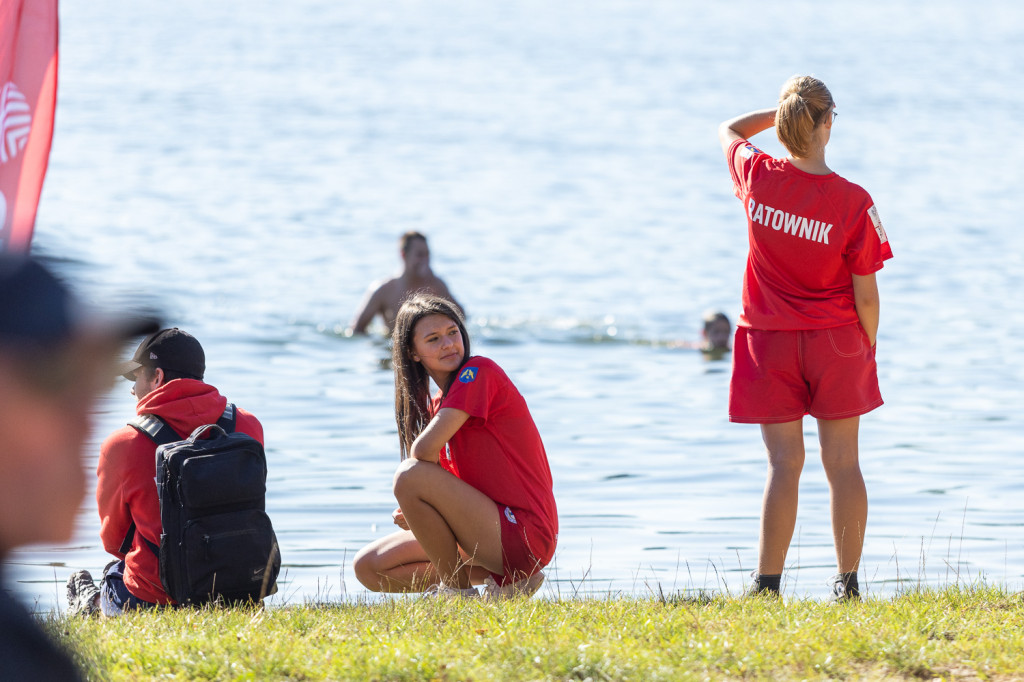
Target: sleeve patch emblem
{"x":748,"y":150}
{"x":877,"y":222}
{"x":468,"y":375}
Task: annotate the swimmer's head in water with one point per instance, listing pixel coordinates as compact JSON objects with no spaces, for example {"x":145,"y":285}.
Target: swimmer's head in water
{"x":415,"y":252}
{"x":717,"y":331}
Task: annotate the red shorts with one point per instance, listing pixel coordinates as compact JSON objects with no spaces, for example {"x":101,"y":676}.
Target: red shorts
{"x":779,"y":376}
{"x":525,"y":548}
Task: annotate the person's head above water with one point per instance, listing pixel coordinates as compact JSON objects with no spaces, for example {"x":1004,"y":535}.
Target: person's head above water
{"x":406,"y":241}
{"x":415,"y":253}
{"x":717,"y":331}
{"x":429,"y":340}
{"x":803,"y":119}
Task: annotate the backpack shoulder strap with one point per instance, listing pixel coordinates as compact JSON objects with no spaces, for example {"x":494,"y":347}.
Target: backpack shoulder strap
{"x":161,"y":433}
{"x":228,"y":419}
{"x":126,"y":545}
{"x":156,"y":428}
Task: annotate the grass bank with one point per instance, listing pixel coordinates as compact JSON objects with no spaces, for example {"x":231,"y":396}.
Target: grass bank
{"x":956,"y":633}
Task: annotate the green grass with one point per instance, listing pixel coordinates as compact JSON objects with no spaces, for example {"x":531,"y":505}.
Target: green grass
{"x":956,"y":633}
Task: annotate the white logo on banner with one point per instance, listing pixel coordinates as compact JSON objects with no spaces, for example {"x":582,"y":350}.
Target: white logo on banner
{"x":15,"y":122}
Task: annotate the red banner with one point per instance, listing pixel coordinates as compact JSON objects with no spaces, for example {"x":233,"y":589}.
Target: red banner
{"x":28,"y":97}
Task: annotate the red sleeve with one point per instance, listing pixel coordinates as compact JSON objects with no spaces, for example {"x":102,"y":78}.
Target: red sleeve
{"x":742,"y":158}
{"x":869,"y":245}
{"x":115,"y":517}
{"x":249,"y":425}
{"x":126,"y":490}
{"x":474,"y":388}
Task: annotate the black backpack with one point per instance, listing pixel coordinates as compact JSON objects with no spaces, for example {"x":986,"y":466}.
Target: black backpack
{"x":217,"y":541}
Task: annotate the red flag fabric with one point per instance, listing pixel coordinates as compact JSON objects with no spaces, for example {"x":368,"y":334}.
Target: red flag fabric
{"x":28,"y":98}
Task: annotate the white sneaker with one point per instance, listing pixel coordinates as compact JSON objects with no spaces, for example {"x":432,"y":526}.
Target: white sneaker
{"x":521,"y":588}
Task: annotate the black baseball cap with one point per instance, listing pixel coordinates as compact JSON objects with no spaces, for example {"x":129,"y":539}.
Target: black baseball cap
{"x":38,"y":311}
{"x":170,"y":350}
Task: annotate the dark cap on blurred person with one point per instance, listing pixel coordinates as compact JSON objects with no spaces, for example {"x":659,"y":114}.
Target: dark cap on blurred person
{"x":171,"y":350}
{"x":38,"y":311}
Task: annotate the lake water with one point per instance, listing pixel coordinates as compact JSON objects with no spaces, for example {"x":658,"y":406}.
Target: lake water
{"x":248,"y":167}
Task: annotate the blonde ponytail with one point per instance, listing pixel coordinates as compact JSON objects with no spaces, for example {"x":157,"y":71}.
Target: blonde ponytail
{"x":804,"y":102}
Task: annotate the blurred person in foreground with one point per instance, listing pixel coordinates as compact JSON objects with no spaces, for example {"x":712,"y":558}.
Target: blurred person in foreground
{"x":386,"y":298}
{"x":56,"y":359}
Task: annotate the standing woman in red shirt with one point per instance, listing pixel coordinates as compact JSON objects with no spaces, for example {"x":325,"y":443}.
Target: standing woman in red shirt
{"x":474,"y":487}
{"x":805,"y":342}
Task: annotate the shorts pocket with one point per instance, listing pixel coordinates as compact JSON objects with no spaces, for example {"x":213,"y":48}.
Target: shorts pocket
{"x":848,"y":341}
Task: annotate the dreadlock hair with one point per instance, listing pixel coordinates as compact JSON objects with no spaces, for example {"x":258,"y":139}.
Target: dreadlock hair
{"x":412,"y":384}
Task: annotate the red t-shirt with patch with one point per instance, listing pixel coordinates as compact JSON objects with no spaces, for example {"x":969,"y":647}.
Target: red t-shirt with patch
{"x":498,"y":450}
{"x":808,"y":234}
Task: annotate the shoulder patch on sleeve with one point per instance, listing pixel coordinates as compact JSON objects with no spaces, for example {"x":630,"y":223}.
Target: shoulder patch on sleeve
{"x":468,"y":374}
{"x":748,"y":150}
{"x":877,"y":222}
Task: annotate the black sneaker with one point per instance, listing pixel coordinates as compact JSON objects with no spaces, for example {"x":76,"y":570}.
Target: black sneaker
{"x":83,"y":595}
{"x":756,"y":589}
{"x":842,"y":592}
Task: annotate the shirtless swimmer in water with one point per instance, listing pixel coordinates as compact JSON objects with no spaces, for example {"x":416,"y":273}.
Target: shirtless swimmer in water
{"x":385,"y":299}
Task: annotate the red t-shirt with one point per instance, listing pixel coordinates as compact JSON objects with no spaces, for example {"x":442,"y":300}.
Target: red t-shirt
{"x":498,"y":450}
{"x":808,"y":234}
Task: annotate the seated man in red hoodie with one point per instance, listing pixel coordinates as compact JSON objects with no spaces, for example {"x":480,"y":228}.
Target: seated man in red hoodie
{"x":167,"y":371}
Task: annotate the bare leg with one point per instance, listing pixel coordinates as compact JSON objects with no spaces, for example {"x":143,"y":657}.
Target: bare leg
{"x":445,"y":513}
{"x":397,"y":563}
{"x":394,"y":563}
{"x":785,"y":445}
{"x":840,"y":457}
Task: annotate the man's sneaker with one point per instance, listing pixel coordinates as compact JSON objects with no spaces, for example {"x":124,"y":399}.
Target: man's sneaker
{"x":843,"y":592}
{"x":520,"y":588}
{"x":83,"y":595}
{"x":442,"y":591}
